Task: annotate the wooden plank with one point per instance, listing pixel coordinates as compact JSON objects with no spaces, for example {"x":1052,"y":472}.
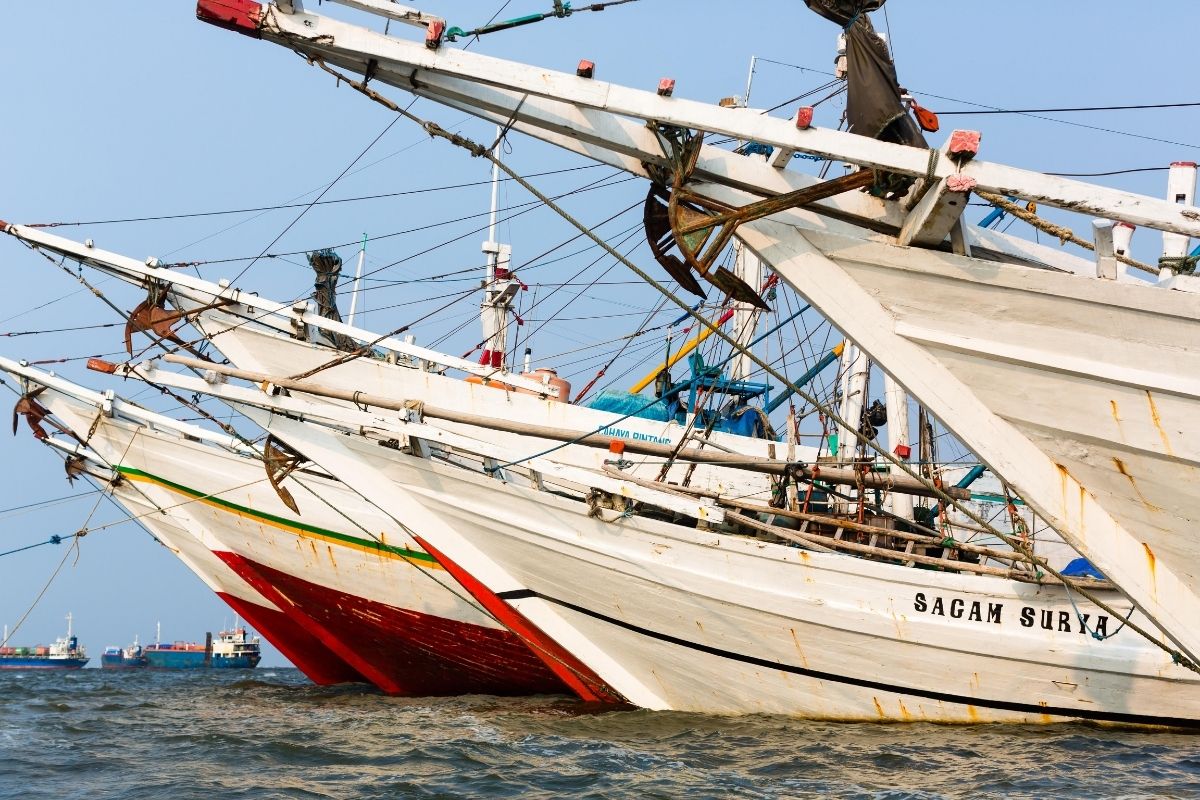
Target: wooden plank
{"x":312,"y":33}
{"x":1053,"y":492}
{"x":1106,"y":253}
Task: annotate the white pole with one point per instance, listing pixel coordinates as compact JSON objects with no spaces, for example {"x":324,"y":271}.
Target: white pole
{"x":852,"y":401}
{"x":749,"y":81}
{"x":1181,"y":189}
{"x":745,"y":316}
{"x":897,"y":429}
{"x":69,"y":619}
{"x":494,"y":308}
{"x":362,"y":256}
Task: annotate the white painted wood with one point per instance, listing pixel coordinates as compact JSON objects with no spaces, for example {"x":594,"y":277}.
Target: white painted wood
{"x":386,"y":8}
{"x":352,"y":46}
{"x":897,"y":435}
{"x":825,"y":634}
{"x":930,"y":221}
{"x":867,"y":308}
{"x":138,"y":273}
{"x":1106,"y":253}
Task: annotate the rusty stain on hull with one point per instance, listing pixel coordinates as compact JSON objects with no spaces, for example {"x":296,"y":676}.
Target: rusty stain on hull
{"x":1116,"y":415}
{"x":1121,"y":468}
{"x":1158,"y":423}
{"x":1152,"y":562}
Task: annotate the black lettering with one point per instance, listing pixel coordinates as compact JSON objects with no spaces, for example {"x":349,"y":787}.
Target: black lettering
{"x":1064,"y":621}
{"x":1047,"y":620}
{"x":1026,"y":617}
{"x":919,"y":602}
{"x":937,"y":607}
{"x":1101,"y":625}
{"x":956,"y":608}
{"x":994,"y":610}
{"x":1083,"y":618}
{"x":975,"y":612}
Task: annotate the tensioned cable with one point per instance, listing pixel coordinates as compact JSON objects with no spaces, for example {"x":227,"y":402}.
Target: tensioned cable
{"x":309,"y":206}
{"x":996,"y":108}
{"x":1064,"y":110}
{"x":284,"y":206}
{"x":480,"y":151}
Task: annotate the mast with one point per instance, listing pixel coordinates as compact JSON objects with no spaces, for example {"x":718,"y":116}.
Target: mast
{"x":70,"y":618}
{"x":499,"y":286}
{"x":855,"y":366}
{"x":897,"y":429}
{"x":1181,"y":189}
{"x":358,"y":270}
{"x":749,"y":268}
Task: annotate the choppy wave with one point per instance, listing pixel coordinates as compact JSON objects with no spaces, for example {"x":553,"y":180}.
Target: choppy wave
{"x":271,"y":734}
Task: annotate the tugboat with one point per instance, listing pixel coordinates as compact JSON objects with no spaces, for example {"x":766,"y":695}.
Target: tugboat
{"x":231,"y":649}
{"x":130,"y":657}
{"x":65,"y":653}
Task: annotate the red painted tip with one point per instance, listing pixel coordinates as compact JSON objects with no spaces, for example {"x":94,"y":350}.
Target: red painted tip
{"x":586,"y":69}
{"x":100,"y":365}
{"x":1183,"y":163}
{"x":4,"y":226}
{"x":240,"y":16}
{"x":964,"y":144}
{"x":804,"y":117}
{"x":433,"y":34}
{"x":666,"y":87}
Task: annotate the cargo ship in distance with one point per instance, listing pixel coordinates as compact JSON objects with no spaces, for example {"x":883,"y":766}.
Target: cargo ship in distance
{"x":130,"y":657}
{"x":65,"y":653}
{"x":231,"y":649}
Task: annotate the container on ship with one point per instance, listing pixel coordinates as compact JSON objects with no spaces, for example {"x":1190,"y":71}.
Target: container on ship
{"x":65,"y":653}
{"x":130,"y":657}
{"x":231,"y":649}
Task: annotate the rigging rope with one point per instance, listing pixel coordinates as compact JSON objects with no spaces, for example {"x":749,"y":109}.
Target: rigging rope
{"x":1063,"y":234}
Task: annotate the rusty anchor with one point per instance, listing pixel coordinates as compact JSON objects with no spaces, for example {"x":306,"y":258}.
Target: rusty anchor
{"x":281,"y":461}
{"x":699,"y":227}
{"x":152,"y":317}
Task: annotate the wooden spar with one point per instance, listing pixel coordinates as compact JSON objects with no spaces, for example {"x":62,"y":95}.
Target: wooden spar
{"x":871,"y":480}
{"x":414,"y":67}
{"x":858,"y":527}
{"x":805,"y":539}
{"x":280,"y":316}
{"x":1003,"y":555}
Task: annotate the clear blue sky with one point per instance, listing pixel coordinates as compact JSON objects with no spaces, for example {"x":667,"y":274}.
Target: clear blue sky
{"x":133,"y":109}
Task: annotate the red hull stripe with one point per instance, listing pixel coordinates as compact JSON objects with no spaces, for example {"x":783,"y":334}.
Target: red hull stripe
{"x":573,"y":672}
{"x":303,"y":649}
{"x":402,"y":651}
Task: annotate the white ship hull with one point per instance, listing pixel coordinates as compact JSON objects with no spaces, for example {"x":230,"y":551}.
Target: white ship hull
{"x":679,"y":618}
{"x":1085,"y":405}
{"x":344,"y":573}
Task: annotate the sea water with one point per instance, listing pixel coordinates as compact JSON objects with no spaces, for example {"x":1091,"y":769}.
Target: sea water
{"x":269,"y":733}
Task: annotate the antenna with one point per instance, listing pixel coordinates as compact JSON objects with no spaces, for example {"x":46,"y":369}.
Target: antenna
{"x":362,"y":255}
{"x":70,"y":618}
{"x":499,"y":288}
{"x":157,"y":632}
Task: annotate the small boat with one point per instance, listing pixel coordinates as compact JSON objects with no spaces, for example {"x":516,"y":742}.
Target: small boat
{"x":129,"y":657}
{"x":231,"y":649}
{"x":65,"y":653}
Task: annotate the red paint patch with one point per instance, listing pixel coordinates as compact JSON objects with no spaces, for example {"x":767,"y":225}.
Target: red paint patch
{"x":401,"y":651}
{"x":301,"y":648}
{"x":573,"y":672}
{"x":240,"y":16}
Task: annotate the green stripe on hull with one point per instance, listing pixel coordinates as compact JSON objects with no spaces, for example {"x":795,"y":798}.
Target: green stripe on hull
{"x":403,"y":552}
